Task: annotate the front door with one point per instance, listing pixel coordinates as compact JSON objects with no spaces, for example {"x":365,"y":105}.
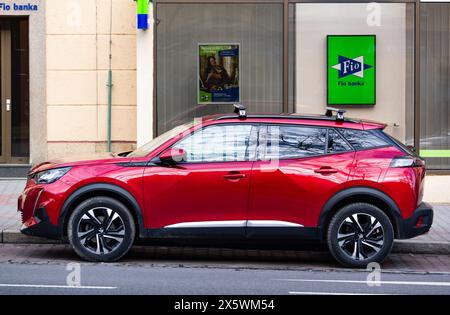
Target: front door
{"x":208,"y":193}
{"x":5,"y":92}
{"x":14,"y":91}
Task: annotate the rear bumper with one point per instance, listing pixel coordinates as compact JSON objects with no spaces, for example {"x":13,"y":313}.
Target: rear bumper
{"x":419,"y":223}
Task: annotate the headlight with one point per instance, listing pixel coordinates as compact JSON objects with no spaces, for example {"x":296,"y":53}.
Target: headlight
{"x":50,"y":176}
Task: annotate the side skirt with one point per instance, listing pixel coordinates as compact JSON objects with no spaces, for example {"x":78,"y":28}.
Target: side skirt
{"x":249,"y":233}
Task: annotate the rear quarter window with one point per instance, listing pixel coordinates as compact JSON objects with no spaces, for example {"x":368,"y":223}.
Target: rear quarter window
{"x":364,"y":139}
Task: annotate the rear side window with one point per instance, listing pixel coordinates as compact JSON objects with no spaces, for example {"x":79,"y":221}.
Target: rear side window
{"x":364,"y":139}
{"x":284,"y":142}
{"x":336,"y":143}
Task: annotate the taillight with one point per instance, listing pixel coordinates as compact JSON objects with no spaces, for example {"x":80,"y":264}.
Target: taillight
{"x":407,"y":161}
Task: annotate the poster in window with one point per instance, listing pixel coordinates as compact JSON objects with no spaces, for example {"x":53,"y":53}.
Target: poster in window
{"x":351,"y":69}
{"x":218,"y":74}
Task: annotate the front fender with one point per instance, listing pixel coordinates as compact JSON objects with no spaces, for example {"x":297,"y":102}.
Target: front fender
{"x":99,"y":189}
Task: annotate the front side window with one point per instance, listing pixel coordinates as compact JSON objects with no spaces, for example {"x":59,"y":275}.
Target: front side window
{"x":220,"y":143}
{"x":284,"y":142}
{"x":364,"y":139}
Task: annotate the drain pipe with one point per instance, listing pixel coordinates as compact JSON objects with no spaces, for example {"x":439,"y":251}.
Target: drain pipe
{"x":109,"y":107}
{"x":110,"y":80}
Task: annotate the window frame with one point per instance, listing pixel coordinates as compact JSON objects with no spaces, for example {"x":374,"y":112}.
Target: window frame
{"x":287,"y":60}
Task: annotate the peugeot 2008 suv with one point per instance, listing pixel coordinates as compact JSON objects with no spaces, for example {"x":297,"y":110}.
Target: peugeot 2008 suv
{"x":258,"y":176}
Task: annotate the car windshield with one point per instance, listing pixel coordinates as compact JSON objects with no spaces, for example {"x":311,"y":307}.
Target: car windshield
{"x":155,"y":143}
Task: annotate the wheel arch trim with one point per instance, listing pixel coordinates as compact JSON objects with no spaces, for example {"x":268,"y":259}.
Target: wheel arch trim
{"x":393,"y":209}
{"x":99,"y":187}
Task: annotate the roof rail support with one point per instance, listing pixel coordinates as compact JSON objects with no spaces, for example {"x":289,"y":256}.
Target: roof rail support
{"x":339,"y":113}
{"x":240,"y":110}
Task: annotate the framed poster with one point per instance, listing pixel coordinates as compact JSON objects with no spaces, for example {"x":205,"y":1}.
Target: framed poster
{"x":351,"y":69}
{"x":218,"y":74}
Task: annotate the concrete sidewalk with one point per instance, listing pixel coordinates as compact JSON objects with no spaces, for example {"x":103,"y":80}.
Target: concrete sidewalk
{"x":437,"y":241}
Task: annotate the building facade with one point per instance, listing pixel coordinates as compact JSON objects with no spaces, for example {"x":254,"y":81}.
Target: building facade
{"x":78,"y":77}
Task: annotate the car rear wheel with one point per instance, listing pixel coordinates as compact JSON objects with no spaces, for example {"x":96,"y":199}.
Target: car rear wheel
{"x":101,"y":229}
{"x":358,"y":234}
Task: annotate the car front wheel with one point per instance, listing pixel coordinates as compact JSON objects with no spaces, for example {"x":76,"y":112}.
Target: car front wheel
{"x":359,"y":234}
{"x":101,"y":229}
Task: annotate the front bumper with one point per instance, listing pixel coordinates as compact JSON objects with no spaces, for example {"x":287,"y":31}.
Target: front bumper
{"x":40,"y":225}
{"x":39,"y":206}
{"x":419,"y":223}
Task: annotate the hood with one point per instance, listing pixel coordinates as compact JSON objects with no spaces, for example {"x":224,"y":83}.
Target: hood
{"x":99,"y":158}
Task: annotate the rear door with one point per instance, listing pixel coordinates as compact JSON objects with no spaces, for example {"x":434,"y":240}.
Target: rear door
{"x":298,"y":169}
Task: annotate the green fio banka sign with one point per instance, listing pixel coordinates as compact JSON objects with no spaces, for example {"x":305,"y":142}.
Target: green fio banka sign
{"x":351,"y":69}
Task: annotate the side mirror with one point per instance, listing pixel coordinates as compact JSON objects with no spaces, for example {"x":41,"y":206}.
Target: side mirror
{"x":172,"y":156}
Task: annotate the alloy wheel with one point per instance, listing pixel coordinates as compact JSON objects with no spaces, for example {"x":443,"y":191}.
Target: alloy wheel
{"x":360,"y":236}
{"x":101,"y":230}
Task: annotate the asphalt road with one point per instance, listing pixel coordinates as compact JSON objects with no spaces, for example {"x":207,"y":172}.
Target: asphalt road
{"x":115,"y":279}
{"x":54,"y":269}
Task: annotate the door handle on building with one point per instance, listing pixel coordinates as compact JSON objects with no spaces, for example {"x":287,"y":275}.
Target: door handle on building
{"x":8,"y":105}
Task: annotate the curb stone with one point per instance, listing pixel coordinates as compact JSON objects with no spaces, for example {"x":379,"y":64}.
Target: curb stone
{"x":400,"y":246}
{"x":412,"y":247}
{"x":16,"y":237}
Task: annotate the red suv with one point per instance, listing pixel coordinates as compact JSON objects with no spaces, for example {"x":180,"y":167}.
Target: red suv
{"x":258,"y":176}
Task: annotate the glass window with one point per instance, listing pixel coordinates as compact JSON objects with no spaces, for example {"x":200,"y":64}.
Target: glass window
{"x":434,"y":85}
{"x":364,"y":139}
{"x":258,"y":30}
{"x":335,"y":143}
{"x":20,"y":115}
{"x":284,"y":142}
{"x":220,"y":143}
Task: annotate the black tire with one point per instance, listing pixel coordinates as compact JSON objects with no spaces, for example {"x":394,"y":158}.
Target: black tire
{"x":94,"y":237}
{"x":362,"y":247}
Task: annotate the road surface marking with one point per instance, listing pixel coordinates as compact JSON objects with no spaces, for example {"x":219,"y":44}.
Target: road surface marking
{"x":419,"y":283}
{"x":55,"y":286}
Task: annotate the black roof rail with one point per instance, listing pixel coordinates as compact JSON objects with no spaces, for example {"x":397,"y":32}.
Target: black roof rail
{"x":290,"y":116}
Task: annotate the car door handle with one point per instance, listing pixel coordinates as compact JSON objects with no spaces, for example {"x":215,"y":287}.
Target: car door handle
{"x":234,"y":175}
{"x":324,"y":170}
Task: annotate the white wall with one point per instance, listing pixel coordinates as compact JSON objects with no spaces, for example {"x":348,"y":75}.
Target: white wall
{"x":315,"y":21}
{"x":436,"y":188}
